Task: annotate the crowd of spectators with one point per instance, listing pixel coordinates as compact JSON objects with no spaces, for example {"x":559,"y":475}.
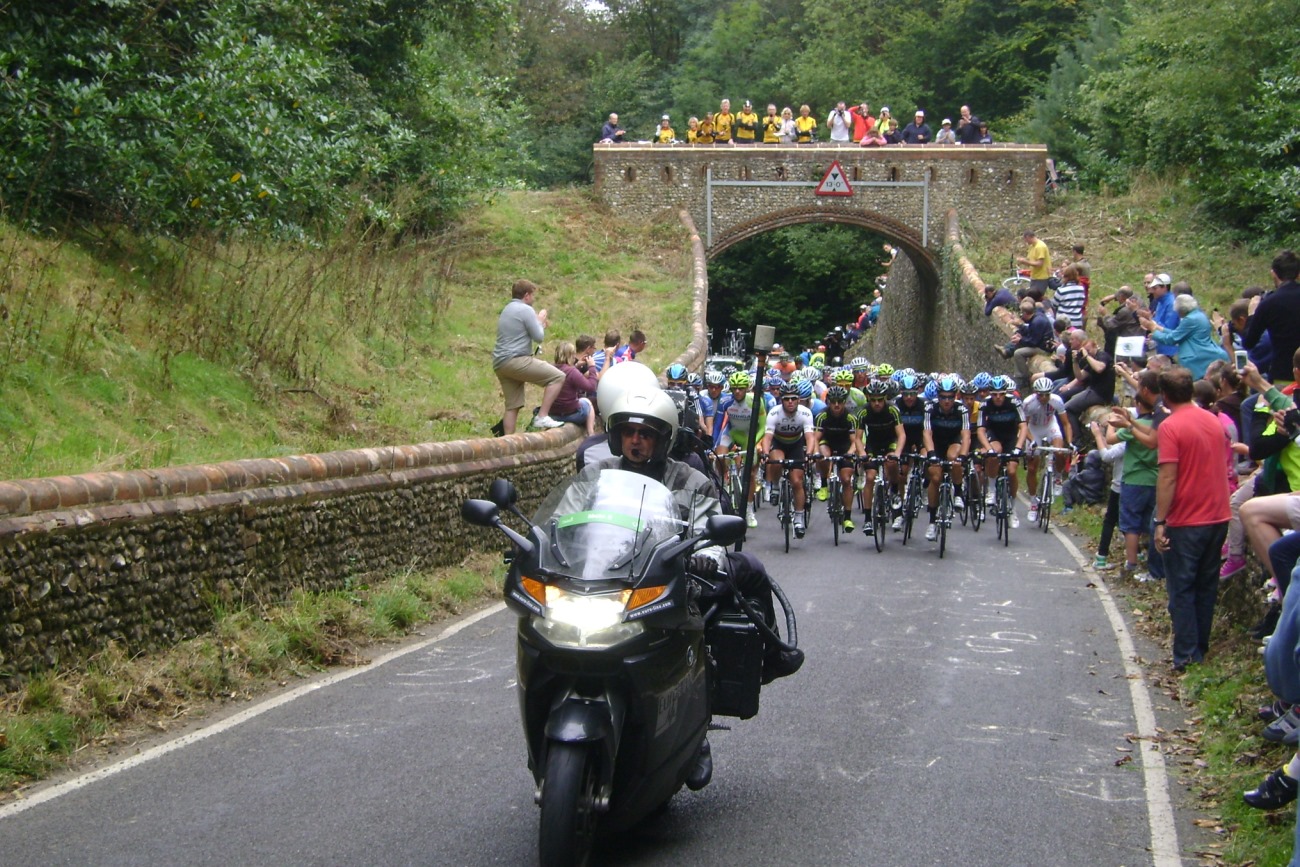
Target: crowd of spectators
{"x":842,"y":125}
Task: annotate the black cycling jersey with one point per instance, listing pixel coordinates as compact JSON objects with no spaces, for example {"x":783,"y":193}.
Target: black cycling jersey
{"x":946,"y":427}
{"x":1002,"y":423}
{"x":913,"y":421}
{"x":880,"y":428}
{"x":836,"y":431}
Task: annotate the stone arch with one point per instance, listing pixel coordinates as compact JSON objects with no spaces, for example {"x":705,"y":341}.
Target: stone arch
{"x":909,"y":240}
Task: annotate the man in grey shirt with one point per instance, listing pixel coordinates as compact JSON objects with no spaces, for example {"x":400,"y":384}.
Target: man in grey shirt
{"x":518,"y":328}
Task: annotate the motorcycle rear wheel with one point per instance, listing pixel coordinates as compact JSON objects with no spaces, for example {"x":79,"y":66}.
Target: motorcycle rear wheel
{"x":568,"y":823}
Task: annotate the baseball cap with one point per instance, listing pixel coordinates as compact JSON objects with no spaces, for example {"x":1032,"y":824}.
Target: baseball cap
{"x":946,"y":122}
{"x":1162,"y":280}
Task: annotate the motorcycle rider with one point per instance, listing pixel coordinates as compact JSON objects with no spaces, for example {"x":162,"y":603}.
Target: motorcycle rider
{"x":642,"y":422}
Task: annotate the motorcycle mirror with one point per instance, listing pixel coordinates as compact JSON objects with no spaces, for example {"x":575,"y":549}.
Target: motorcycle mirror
{"x":480,"y":513}
{"x":503,"y":493}
{"x":725,"y":529}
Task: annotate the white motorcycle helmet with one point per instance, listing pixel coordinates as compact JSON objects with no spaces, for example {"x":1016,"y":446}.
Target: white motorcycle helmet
{"x":647,"y":406}
{"x":623,"y":377}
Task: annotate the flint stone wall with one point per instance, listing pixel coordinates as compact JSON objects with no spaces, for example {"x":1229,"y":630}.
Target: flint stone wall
{"x":139,"y":557}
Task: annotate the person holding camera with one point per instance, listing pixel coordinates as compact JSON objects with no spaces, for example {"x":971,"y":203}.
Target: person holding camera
{"x":840,"y":123}
{"x":580,"y":379}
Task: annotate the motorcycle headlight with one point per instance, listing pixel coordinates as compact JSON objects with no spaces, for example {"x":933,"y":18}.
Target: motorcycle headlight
{"x":586,"y":621}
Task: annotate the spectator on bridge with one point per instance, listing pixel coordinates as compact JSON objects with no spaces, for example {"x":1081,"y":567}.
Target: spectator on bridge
{"x":692,"y":130}
{"x":887,"y":126}
{"x":806,"y":125}
{"x":863,"y":122}
{"x":1278,"y":315}
{"x":946,"y":135}
{"x":518,"y":328}
{"x":789,"y":130}
{"x":665,"y":134}
{"x":1070,"y":297}
{"x":705,"y":133}
{"x":968,"y":127}
{"x":1191,"y":518}
{"x":611,"y":132}
{"x":723,"y":121}
{"x":873,"y":313}
{"x":996,"y":296}
{"x":771,"y":126}
{"x":746,"y":126}
{"x":985,"y":137}
{"x":1039,"y":262}
{"x":1192,"y":339}
{"x":918,"y":131}
{"x":840,"y":123}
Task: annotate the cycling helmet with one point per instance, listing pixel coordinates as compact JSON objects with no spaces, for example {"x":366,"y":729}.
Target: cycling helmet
{"x":843,"y":377}
{"x":715,"y":377}
{"x":812,"y":374}
{"x":982,"y":381}
{"x":947,"y":382}
{"x":859,"y":364}
{"x":675,"y":373}
{"x":837,"y":393}
{"x":931,"y":390}
{"x":908,"y":382}
{"x":1000,"y":383}
{"x":877,"y":388}
{"x":621,"y":378}
{"x":885,"y":370}
{"x":650,"y":407}
{"x":804,"y":387}
{"x":694,"y":380}
{"x":968,"y":389}
{"x":789,"y":389}
{"x":739,"y":379}
{"x":1042,"y":385}
{"x":728,"y":369}
{"x":772,"y":382}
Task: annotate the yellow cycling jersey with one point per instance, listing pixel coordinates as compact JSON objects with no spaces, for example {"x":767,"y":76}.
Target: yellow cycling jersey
{"x":806,"y":126}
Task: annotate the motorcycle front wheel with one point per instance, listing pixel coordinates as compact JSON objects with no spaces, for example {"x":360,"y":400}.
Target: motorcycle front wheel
{"x":568,"y":822}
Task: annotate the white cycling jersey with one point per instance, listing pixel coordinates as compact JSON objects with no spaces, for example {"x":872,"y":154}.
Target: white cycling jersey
{"x":789,"y":427}
{"x":1041,"y":415}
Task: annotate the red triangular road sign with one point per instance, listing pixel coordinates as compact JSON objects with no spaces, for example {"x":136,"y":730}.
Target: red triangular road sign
{"x":834,"y":182}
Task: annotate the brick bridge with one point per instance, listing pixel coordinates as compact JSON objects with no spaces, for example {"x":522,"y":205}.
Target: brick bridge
{"x":901,"y":192}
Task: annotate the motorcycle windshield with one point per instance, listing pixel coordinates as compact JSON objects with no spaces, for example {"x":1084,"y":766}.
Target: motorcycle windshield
{"x":606,"y":526}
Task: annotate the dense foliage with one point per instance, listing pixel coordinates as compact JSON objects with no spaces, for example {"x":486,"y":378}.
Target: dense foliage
{"x":287,"y":115}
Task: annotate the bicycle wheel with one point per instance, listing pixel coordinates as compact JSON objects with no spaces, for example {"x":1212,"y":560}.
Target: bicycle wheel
{"x":964,"y":512}
{"x":911,"y":506}
{"x":1016,"y":285}
{"x":785,"y":508}
{"x":945,"y":515}
{"x":999,"y":500}
{"x":835,"y":508}
{"x":975,"y":501}
{"x":880,"y":514}
{"x":1045,"y":502}
{"x":1005,"y":506}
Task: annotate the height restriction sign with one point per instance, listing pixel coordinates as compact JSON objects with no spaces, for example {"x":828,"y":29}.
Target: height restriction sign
{"x":834,"y":183}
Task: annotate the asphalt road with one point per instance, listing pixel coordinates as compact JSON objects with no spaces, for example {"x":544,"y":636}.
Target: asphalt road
{"x":965,"y":711}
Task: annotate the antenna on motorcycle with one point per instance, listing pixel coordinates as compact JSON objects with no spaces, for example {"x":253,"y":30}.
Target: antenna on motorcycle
{"x":506,"y":496}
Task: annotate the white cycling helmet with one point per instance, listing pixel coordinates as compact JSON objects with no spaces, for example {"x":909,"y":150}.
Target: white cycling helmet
{"x":622,"y":377}
{"x":648,"y":406}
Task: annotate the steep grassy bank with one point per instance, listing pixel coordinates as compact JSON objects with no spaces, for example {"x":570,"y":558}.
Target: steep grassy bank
{"x":122,"y":352}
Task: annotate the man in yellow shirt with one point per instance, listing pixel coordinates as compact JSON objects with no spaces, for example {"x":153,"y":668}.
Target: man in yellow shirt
{"x":746,"y":125}
{"x":1039,"y":262}
{"x":771,"y":126}
{"x":723,"y":121}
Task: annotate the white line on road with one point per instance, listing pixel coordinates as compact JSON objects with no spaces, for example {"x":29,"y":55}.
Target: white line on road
{"x":230,"y":722}
{"x":1160,"y":812}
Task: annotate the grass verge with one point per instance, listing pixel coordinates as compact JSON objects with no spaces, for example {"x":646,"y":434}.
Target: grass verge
{"x":64,"y":716}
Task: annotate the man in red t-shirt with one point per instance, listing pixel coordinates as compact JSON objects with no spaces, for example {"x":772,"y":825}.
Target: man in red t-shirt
{"x":1191,"y":514}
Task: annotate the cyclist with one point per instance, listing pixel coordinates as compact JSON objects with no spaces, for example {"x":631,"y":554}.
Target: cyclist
{"x":734,"y":417}
{"x":882,"y":436}
{"x":911,"y":414}
{"x":814,"y":375}
{"x":1047,"y":421}
{"x":861,"y":369}
{"x":714,"y":382}
{"x":1002,"y":429}
{"x":838,"y":434}
{"x":885,"y":373}
{"x":946,"y":435}
{"x":790,"y":436}
{"x":772,"y":385}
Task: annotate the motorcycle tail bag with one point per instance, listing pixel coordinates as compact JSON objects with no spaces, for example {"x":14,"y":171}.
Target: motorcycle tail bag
{"x":737,"y":650}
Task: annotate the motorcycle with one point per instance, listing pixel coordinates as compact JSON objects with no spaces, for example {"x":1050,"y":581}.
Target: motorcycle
{"x":624,"y":656}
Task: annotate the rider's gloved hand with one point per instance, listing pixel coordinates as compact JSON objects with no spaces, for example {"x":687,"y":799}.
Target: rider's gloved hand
{"x":932,"y":457}
{"x":703,"y":565}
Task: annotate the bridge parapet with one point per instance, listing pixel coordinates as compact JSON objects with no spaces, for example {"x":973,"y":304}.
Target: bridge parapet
{"x":907,"y":189}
